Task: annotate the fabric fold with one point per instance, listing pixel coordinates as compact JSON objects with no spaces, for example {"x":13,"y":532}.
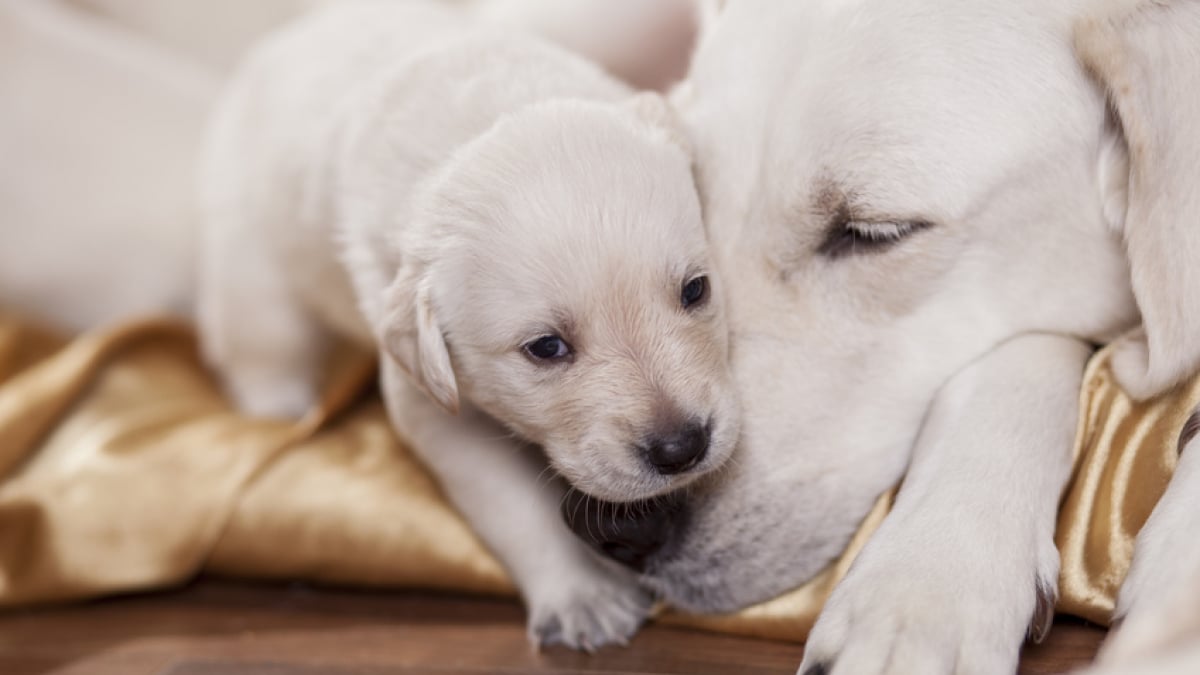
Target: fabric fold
{"x":122,"y":468}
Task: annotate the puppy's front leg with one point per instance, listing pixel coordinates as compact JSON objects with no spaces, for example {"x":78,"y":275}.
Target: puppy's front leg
{"x":1159,"y":604}
{"x":952,"y":579}
{"x":572,"y":596}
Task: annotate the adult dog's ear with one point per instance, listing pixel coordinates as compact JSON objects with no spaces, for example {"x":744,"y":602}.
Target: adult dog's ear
{"x":1146,"y":54}
{"x":410,"y":334}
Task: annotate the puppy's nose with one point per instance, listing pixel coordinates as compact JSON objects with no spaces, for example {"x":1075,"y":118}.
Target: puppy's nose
{"x":679,"y":450}
{"x":630,"y":533}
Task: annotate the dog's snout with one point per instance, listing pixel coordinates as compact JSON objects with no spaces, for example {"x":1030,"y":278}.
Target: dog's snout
{"x":629,"y":533}
{"x":679,"y":450}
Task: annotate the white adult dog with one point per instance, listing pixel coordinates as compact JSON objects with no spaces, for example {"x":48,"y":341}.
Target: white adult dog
{"x":522,"y":239}
{"x":924,"y":213}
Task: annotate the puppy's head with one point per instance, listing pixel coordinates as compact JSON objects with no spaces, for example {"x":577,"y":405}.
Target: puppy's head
{"x":564,"y":287}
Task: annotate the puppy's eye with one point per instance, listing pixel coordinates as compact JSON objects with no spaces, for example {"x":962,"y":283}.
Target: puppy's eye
{"x":694,"y":292}
{"x":852,"y":237}
{"x":548,"y":348}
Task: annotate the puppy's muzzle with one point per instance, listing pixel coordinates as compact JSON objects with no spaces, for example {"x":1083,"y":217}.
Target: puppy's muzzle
{"x":630,"y":533}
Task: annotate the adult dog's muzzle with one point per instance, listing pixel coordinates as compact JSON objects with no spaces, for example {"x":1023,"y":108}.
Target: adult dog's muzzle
{"x":628,"y":532}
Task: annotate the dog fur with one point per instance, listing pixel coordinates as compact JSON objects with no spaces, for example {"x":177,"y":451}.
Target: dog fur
{"x":397,"y":174}
{"x":1030,"y":160}
{"x":924,"y":215}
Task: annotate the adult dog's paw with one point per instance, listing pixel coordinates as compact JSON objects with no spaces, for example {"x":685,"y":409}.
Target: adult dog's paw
{"x":1159,"y":603}
{"x":935,"y":604}
{"x":587,"y":608}
{"x":1181,"y":659}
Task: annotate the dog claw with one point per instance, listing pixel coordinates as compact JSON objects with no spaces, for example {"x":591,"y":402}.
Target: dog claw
{"x":1190,"y":429}
{"x":1043,"y":614}
{"x":820,"y":668}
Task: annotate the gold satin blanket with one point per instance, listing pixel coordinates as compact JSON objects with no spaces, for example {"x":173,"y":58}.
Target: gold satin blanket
{"x":122,"y":468}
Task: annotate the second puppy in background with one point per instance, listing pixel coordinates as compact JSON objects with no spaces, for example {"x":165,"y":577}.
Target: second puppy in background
{"x":521,"y":238}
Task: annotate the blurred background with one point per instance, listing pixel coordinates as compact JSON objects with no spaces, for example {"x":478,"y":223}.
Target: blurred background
{"x":103,"y":105}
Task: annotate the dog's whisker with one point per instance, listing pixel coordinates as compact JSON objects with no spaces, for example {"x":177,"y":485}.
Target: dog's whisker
{"x":547,"y":476}
{"x":565,"y":496}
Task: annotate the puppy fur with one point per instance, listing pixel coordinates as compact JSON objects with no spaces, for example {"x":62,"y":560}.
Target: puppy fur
{"x":395,"y":174}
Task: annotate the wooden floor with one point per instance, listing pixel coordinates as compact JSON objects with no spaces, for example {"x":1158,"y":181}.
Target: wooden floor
{"x":220,"y":628}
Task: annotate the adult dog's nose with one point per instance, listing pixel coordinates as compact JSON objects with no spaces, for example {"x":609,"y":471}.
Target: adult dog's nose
{"x":679,"y":450}
{"x":630,"y":533}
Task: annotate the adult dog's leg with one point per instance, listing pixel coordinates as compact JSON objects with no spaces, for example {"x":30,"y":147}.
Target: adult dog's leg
{"x":1159,"y":604}
{"x":966,"y":560}
{"x":1183,"y":659}
{"x":572,"y":596}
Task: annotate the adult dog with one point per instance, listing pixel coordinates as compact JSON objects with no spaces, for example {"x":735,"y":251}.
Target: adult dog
{"x":925,"y":213}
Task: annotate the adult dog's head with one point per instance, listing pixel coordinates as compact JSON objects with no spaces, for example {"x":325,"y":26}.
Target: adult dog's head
{"x":892,"y":190}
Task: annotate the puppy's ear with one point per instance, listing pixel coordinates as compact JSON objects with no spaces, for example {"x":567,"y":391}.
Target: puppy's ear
{"x":411,"y":335}
{"x":656,"y":112}
{"x":1146,"y":54}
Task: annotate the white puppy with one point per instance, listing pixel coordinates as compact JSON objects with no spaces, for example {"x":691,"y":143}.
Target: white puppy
{"x":924,"y":213}
{"x":520,"y":237}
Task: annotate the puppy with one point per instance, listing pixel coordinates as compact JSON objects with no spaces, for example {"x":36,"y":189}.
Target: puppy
{"x":518,"y":236}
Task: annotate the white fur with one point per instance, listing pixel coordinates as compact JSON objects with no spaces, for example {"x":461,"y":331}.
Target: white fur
{"x":1181,"y":659}
{"x":979,"y":119}
{"x":1147,"y":55}
{"x":397,"y":174}
{"x":976,"y":111}
{"x":644,"y":43}
{"x":887,"y":617}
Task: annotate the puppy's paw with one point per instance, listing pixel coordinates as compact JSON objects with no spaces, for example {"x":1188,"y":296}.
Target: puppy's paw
{"x":924,"y":601}
{"x":1131,"y":367}
{"x":587,"y":608}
